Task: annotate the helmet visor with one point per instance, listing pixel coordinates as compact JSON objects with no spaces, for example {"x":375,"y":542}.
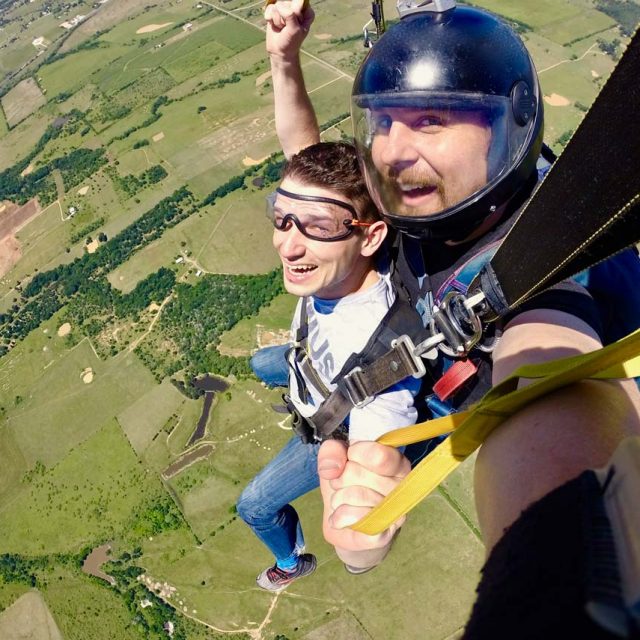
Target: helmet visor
{"x":424,"y":154}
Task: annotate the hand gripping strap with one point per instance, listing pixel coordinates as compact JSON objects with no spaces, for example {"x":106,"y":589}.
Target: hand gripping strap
{"x":470,"y":428}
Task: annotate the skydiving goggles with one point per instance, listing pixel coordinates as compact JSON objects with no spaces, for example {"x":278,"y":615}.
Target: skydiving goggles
{"x":316,"y":217}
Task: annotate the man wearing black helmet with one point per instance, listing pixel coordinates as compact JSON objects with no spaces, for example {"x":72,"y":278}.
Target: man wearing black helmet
{"x":448,"y":123}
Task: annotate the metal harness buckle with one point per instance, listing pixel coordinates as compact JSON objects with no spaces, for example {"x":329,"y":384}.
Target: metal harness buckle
{"x":353,"y":387}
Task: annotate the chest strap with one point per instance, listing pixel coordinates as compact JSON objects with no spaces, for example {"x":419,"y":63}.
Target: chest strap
{"x":387,"y":358}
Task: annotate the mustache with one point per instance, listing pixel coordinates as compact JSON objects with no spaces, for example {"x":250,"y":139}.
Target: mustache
{"x":411,"y":176}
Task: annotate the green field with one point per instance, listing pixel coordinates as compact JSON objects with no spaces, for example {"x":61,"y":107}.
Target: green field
{"x":86,"y":497}
{"x":83,"y":462}
{"x":277,"y":316}
{"x":142,"y":420}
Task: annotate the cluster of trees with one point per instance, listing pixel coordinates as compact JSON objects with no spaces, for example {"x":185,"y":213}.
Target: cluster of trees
{"x":150,"y":620}
{"x":160,"y":514}
{"x":153,"y":117}
{"x":131,"y":184}
{"x":48,"y":291}
{"x":11,"y":183}
{"x":97,"y":303}
{"x":271,"y":171}
{"x":199,"y":314}
{"x":16,"y":568}
{"x":626,"y":13}
{"x":74,"y":167}
{"x":610,"y":48}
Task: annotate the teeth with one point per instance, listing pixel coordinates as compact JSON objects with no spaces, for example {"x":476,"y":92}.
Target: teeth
{"x":302,"y":268}
{"x":411,"y":187}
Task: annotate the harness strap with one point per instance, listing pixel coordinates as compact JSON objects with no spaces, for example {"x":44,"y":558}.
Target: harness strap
{"x":301,"y":357}
{"x":470,"y":428}
{"x":360,"y":386}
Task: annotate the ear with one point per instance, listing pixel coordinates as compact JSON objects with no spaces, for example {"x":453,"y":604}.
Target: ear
{"x":373,"y":237}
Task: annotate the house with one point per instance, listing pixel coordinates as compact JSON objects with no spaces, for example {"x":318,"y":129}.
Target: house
{"x":168,"y":627}
{"x":179,"y":260}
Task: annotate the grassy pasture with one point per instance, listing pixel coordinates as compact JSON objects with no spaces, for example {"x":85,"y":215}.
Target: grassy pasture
{"x":42,"y":240}
{"x":87,"y":496}
{"x":586,"y":23}
{"x":9,"y":593}
{"x":172,"y":442}
{"x":28,"y":360}
{"x":13,"y":463}
{"x":87,"y":610}
{"x":330,"y":103}
{"x":207,"y":506}
{"x":274,"y":317}
{"x":124,"y":31}
{"x":253,"y":57}
{"x":197,"y":60}
{"x":29,"y":617}
{"x":111,"y":14}
{"x":547,"y":12}
{"x":23,"y":100}
{"x":15,"y":144}
{"x":243,"y":225}
{"x":4,"y":129}
{"x":61,"y":411}
{"x":228,"y":600}
{"x":142,"y":420}
{"x":56,"y":77}
{"x":235,"y":120}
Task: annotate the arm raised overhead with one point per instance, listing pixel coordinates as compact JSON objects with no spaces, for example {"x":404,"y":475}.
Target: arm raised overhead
{"x":288,"y":23}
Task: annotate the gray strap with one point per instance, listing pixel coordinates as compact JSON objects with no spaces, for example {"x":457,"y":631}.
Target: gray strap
{"x":360,"y":386}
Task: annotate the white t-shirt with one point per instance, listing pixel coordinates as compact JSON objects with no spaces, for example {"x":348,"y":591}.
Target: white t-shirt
{"x":338,"y":328}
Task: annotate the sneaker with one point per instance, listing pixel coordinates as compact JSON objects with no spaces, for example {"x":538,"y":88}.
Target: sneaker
{"x":276,"y":579}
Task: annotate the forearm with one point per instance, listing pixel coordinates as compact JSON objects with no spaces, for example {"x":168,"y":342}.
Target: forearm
{"x":557,"y":437}
{"x":547,"y":444}
{"x":296,"y":123}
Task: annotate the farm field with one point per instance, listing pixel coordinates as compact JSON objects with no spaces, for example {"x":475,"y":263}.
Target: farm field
{"x":150,"y":263}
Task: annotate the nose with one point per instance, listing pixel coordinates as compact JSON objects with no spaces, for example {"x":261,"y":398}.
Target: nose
{"x":289,"y":243}
{"x":397,"y":148}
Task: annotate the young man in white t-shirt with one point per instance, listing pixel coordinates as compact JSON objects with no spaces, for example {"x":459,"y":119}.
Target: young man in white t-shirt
{"x":327,"y":232}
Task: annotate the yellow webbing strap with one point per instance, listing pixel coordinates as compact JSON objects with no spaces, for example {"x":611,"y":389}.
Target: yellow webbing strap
{"x":470,"y":428}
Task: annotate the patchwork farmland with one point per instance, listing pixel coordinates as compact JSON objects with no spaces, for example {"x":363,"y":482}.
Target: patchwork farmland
{"x":136,"y":149}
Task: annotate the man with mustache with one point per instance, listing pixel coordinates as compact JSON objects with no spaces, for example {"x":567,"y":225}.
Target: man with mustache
{"x":447,"y":117}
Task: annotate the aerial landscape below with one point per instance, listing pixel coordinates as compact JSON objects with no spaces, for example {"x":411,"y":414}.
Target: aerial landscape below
{"x":138,"y":276}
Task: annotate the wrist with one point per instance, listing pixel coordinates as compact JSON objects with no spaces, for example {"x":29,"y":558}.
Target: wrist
{"x":285,"y":61}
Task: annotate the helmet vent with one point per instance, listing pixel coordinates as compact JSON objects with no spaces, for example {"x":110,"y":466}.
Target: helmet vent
{"x":523,"y":103}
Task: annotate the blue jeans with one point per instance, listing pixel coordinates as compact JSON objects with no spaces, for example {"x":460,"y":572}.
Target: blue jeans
{"x":270,"y":365}
{"x":264,"y":504}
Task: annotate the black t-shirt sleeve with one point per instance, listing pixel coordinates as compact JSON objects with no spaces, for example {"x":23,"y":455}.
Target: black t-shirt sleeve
{"x":569,"y":297}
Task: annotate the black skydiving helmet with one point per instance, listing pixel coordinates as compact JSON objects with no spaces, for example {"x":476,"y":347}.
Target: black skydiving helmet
{"x":447,"y":119}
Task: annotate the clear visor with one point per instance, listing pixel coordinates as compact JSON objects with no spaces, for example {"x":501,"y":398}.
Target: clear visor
{"x":424,"y":154}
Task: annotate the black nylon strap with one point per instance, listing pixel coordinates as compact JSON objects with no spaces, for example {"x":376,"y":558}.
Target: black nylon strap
{"x":362,"y":386}
{"x":588,"y":206}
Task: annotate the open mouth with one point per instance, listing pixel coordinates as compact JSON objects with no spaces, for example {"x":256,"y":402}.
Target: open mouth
{"x":414,"y":194}
{"x":301,"y":269}
{"x":415,"y":191}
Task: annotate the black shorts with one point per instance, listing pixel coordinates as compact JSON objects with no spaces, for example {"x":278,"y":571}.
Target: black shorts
{"x":548,"y":569}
